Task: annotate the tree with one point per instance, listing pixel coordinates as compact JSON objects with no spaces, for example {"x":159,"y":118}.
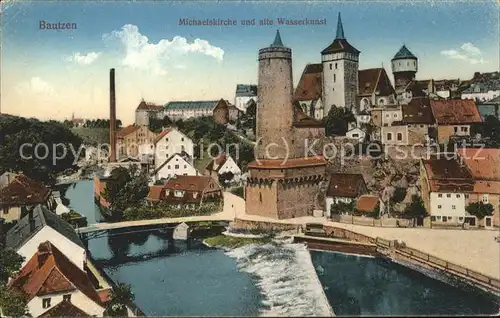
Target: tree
{"x":167,"y":121}
{"x":121,"y":296}
{"x":480,"y":209}
{"x":155,"y":125}
{"x":399,"y":195}
{"x":125,"y":188}
{"x":12,"y":302}
{"x":416,"y":208}
{"x":226,"y":178}
{"x":336,"y":123}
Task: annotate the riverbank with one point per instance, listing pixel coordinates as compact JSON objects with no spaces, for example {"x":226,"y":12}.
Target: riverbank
{"x":232,"y":242}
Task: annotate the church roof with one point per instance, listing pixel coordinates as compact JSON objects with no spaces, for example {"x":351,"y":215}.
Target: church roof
{"x":404,"y":53}
{"x":309,"y":87}
{"x":374,"y":80}
{"x":302,"y":120}
{"x":340,"y":44}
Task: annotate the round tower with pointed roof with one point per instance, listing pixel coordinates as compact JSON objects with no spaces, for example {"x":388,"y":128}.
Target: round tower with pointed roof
{"x":340,"y":72}
{"x":274,"y":126}
{"x":404,"y":67}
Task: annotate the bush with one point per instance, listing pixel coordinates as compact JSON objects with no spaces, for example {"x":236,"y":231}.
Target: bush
{"x":238,"y":191}
{"x":163,"y":210}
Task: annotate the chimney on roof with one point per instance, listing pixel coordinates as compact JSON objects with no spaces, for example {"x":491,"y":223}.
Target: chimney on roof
{"x":112,"y":116}
{"x":43,"y":253}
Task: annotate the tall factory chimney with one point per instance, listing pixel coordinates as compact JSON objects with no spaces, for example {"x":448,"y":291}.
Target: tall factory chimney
{"x":112,"y":116}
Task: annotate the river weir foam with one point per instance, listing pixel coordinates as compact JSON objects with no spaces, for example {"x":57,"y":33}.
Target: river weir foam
{"x":286,"y":277}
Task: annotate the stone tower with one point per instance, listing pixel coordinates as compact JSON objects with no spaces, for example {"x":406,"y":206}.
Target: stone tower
{"x":404,"y":67}
{"x":274,"y":107}
{"x":340,"y":72}
{"x":283,"y":181}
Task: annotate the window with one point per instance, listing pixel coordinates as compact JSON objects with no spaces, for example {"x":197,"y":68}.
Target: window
{"x":260,"y":197}
{"x":450,"y":218}
{"x":455,"y":129}
{"x":167,"y":192}
{"x":464,"y":129}
{"x":389,"y":136}
{"x":400,"y":136}
{"x":179,"y":193}
{"x":355,"y":135}
{"x":334,"y":78}
{"x":67,"y":297}
{"x":176,"y":166}
{"x":485,"y":198}
{"x":445,"y":218}
{"x":168,"y":166}
{"x":336,"y":65}
{"x":433,"y":218}
{"x":458,"y":195}
{"x":421,"y":126}
{"x":466,"y":196}
{"x":396,"y":115}
{"x":448,"y":195}
{"x":46,"y":303}
{"x":439,"y":206}
{"x":453,"y":207}
{"x":439,"y":217}
{"x":440,"y":195}
{"x":387,"y":115}
{"x":461,"y":218}
{"x":5,"y":210}
{"x":330,"y":65}
{"x":185,"y":166}
{"x":182,"y":139}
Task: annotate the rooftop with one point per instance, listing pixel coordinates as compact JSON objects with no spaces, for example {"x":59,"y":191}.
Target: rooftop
{"x":246,"y":90}
{"x":404,"y":53}
{"x":340,"y":44}
{"x":367,"y":203}
{"x":374,"y":81}
{"x":445,"y":173}
{"x":50,"y":272}
{"x":290,"y":163}
{"x":483,"y":163}
{"x":418,"y":111}
{"x":191,"y":105}
{"x":149,"y":106}
{"x":126,"y":131}
{"x":23,"y":191}
{"x":345,"y":185}
{"x":27,"y":227}
{"x":455,"y":111}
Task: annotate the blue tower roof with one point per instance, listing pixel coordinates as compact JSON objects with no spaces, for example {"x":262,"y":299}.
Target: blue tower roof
{"x":404,"y":53}
{"x":277,"y":40}
{"x":340,"y":29}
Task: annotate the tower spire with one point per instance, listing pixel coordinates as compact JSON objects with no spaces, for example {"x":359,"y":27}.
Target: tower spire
{"x":340,"y":29}
{"x":277,"y":39}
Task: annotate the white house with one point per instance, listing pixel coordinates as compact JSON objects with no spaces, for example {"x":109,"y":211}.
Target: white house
{"x":223,"y":164}
{"x":190,"y":109}
{"x":244,"y":93}
{"x":41,"y":225}
{"x":356,"y":133}
{"x":175,"y":165}
{"x":345,"y":188}
{"x":171,"y":141}
{"x":53,"y":286}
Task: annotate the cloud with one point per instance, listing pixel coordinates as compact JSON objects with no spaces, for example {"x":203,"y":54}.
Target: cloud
{"x":142,"y":55}
{"x":85,"y":59}
{"x":37,"y":86}
{"x":467,"y":52}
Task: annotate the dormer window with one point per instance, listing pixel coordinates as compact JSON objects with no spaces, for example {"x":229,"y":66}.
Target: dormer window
{"x":179,"y":193}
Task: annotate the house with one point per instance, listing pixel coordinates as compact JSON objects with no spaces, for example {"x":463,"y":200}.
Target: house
{"x":20,"y":195}
{"x":171,"y":141}
{"x":363,"y":118}
{"x":186,"y":190}
{"x":6,"y":178}
{"x":394,"y":135}
{"x":190,"y":109}
{"x":444,"y":184}
{"x":344,"y":187}
{"x":484,"y":165}
{"x":146,"y":111}
{"x":40,"y":225}
{"x":244,"y":93}
{"x":483,"y":87}
{"x":374,"y":89}
{"x":356,"y":133}
{"x":417,"y":116}
{"x":52,"y":284}
{"x":135,"y":141}
{"x":454,"y":118}
{"x":235,"y":113}
{"x":309,"y":90}
{"x":175,"y":165}
{"x":488,"y":108}
{"x":224,"y":163}
{"x":221,"y":112}
{"x":367,"y":204}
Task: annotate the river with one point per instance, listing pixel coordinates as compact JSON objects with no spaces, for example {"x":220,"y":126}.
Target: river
{"x":266,"y":280}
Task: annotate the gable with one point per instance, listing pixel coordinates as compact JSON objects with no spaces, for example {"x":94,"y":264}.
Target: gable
{"x":55,"y":282}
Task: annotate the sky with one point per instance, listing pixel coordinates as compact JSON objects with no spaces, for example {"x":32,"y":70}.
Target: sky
{"x":51,"y":74}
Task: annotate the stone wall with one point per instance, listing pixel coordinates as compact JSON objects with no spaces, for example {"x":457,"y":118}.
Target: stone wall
{"x":261,"y":199}
{"x":265,"y":226}
{"x":308,"y":138}
{"x":296,"y":199}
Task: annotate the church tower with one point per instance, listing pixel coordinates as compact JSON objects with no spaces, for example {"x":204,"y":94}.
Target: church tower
{"x":404,"y":67}
{"x":274,"y":126}
{"x":340,"y":62}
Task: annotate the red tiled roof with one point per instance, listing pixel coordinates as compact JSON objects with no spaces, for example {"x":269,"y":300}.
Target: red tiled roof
{"x":290,"y":163}
{"x":310,"y":84}
{"x":64,"y":309}
{"x":448,"y":175}
{"x":156,"y":193}
{"x":193,"y":187}
{"x":374,"y":80}
{"x":484,"y":163}
{"x":455,"y":111}
{"x":162,"y":134}
{"x":49,"y":271}
{"x":418,"y":111}
{"x":23,"y":191}
{"x":345,"y":185}
{"x":126,"y":131}
{"x":193,"y":183}
{"x":149,"y":106}
{"x":217,"y":162}
{"x":492,"y":187}
{"x":367,"y":203}
{"x":302,"y":120}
